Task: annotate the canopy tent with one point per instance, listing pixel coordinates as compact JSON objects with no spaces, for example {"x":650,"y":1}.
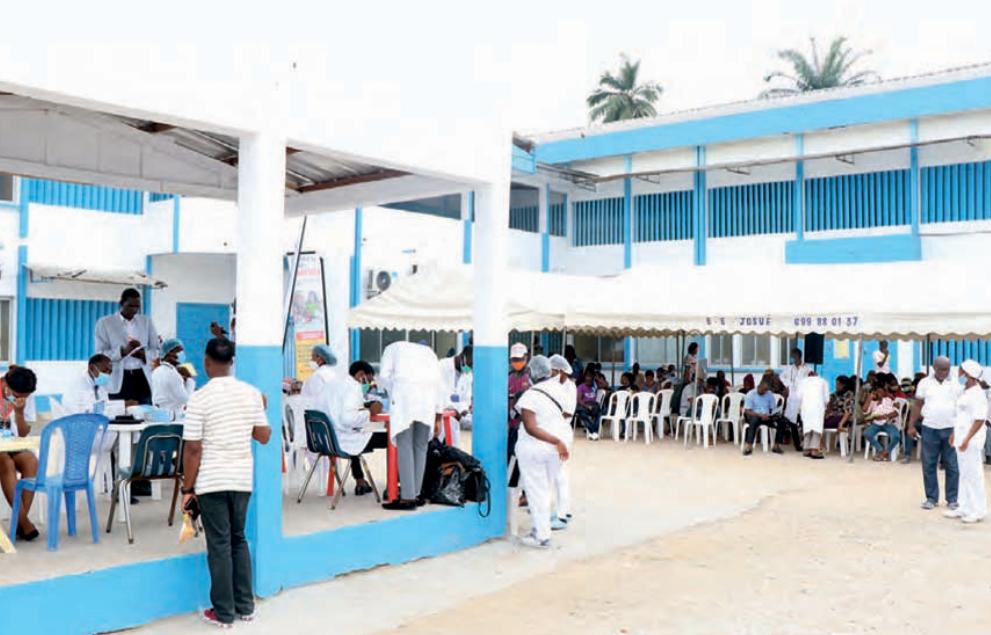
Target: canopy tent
{"x":898,"y":300}
{"x":440,"y":299}
{"x":42,"y":272}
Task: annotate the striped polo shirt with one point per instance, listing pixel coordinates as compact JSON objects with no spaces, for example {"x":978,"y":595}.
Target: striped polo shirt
{"x":222,"y":415}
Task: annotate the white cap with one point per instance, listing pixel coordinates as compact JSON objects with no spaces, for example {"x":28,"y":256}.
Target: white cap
{"x":540,"y":367}
{"x":558,"y":362}
{"x":972,"y":369}
{"x":517,"y":351}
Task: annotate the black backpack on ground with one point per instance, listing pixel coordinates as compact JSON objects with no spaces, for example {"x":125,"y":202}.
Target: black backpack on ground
{"x":454,"y":477}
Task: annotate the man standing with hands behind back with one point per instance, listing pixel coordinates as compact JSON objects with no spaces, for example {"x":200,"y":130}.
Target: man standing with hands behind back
{"x":222,"y":419}
{"x":130,"y":340}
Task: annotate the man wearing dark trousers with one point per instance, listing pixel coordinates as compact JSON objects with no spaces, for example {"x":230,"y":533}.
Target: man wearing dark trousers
{"x":222,"y":419}
{"x":758,"y":410}
{"x":130,"y":340}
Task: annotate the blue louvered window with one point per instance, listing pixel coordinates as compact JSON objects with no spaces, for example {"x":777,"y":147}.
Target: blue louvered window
{"x":663,"y":216}
{"x":525,"y":218}
{"x":558,"y":225}
{"x":960,"y":350}
{"x":155,"y":197}
{"x":746,"y":210}
{"x":856,"y":201}
{"x":958,"y":192}
{"x":92,"y":197}
{"x":62,"y":330}
{"x":598,"y":222}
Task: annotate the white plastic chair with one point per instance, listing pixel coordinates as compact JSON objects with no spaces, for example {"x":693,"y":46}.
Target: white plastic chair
{"x":732,"y":415}
{"x":643,"y":404}
{"x":616,"y":412}
{"x":779,"y":404}
{"x":662,"y":410}
{"x":702,"y":420}
{"x":762,"y":429}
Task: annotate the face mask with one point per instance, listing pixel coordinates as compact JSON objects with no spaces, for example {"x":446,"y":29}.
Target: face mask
{"x":518,"y":365}
{"x":313,"y":365}
{"x":180,"y":357}
{"x":102,"y":379}
{"x":465,"y":368}
{"x":365,"y":388}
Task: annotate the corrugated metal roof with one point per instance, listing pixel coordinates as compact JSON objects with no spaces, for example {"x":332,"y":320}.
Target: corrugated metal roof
{"x":705,"y":112}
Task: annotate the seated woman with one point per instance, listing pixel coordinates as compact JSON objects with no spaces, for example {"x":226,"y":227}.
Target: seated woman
{"x":748,"y":383}
{"x":17,"y":413}
{"x":588,"y":409}
{"x":171,"y":383}
{"x":649,"y":383}
{"x":723,"y":386}
{"x":839,"y":410}
{"x":350,"y":415}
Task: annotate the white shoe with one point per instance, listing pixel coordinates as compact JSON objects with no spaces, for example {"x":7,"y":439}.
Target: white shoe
{"x":533,"y":542}
{"x":953,"y":513}
{"x":971,"y":519}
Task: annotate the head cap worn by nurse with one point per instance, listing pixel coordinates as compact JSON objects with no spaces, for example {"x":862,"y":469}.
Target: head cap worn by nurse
{"x":540,"y":368}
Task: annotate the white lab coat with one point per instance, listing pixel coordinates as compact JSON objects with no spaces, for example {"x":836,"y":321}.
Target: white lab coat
{"x":82,"y":394}
{"x":317,"y":385}
{"x":791,"y":377}
{"x":813,"y":396}
{"x":344,"y":403}
{"x":112,"y":334}
{"x":410,"y":374}
{"x":169,"y":391}
{"x":569,"y":394}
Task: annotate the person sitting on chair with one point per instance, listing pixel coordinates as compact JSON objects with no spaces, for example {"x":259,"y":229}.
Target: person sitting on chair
{"x":17,"y":413}
{"x":758,"y":410}
{"x":350,"y":416}
{"x":880,"y":413}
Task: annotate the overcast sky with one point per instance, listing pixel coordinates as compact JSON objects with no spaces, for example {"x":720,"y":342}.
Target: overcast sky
{"x":714,"y":51}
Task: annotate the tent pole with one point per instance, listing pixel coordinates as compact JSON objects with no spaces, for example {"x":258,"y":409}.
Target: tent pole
{"x":851,"y":442}
{"x":929,"y":352}
{"x":612,"y":360}
{"x":287,"y":306}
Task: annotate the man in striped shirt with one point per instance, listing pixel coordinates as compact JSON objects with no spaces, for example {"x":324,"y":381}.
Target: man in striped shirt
{"x":221,"y":420}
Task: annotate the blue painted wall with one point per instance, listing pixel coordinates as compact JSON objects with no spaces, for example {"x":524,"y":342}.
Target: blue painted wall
{"x":888,"y":248}
{"x":60,"y":330}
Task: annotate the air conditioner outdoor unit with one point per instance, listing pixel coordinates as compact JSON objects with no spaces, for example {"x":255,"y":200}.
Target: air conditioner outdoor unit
{"x":378,"y":281}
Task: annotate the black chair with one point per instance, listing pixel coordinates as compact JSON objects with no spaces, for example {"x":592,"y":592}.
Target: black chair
{"x":157,"y":457}
{"x":321,"y":439}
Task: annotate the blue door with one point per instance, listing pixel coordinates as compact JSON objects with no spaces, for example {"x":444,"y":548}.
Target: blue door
{"x":193,"y":328}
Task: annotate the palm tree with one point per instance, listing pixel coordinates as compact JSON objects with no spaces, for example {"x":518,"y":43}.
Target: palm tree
{"x":620,"y":97}
{"x":814,"y":74}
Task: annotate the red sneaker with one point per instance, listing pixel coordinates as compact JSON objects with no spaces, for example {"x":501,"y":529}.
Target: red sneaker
{"x":210,"y":617}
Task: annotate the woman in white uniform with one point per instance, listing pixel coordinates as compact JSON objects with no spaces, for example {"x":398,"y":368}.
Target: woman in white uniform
{"x":541,"y":447}
{"x":813,"y":397}
{"x":323,"y":362}
{"x":410,"y":374}
{"x":171,"y":384}
{"x":561,"y":373}
{"x":968,"y":439}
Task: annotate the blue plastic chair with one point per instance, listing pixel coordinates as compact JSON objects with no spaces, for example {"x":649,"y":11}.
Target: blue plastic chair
{"x":321,"y":438}
{"x":79,"y":433}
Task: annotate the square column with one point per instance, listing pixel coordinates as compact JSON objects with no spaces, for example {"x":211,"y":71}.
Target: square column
{"x":544,"y":209}
{"x":356,"y":289}
{"x":491,"y":363}
{"x":261,"y":205}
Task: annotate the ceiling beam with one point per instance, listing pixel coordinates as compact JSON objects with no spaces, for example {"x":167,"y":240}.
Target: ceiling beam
{"x":154,"y":127}
{"x":344,"y":181}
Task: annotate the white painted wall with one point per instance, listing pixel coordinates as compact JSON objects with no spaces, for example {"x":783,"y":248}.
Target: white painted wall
{"x":207,"y":225}
{"x":206,"y":278}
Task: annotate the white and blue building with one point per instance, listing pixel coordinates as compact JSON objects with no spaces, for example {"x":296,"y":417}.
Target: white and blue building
{"x":889,"y":172}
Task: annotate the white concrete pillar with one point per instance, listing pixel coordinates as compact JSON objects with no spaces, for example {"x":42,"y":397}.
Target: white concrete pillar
{"x":261,"y":211}
{"x":491,"y":335}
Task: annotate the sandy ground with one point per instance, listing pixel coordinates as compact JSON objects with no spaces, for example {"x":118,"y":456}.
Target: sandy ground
{"x":669,"y":540}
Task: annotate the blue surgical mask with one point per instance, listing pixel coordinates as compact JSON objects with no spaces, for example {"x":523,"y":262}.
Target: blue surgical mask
{"x":102,"y":379}
{"x":180,"y":357}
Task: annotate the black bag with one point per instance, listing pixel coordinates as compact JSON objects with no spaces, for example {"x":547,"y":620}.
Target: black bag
{"x":454,"y":477}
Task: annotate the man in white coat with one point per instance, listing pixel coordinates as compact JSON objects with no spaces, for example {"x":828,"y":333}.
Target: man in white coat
{"x":89,"y":387}
{"x":968,"y":439}
{"x":344,"y":404}
{"x":813,"y":396}
{"x":410,"y":374}
{"x":455,"y":377}
{"x":791,"y":377}
{"x":130,"y":340}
